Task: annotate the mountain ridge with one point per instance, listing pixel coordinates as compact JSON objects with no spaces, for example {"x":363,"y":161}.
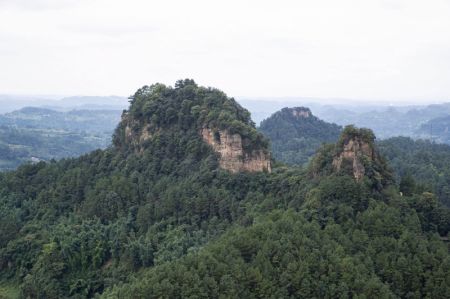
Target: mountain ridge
{"x":161,"y":218}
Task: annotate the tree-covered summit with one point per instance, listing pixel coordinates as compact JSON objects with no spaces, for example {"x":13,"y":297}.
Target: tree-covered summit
{"x":159,"y":219}
{"x":295,"y":134}
{"x":185,"y":108}
{"x":354,"y":154}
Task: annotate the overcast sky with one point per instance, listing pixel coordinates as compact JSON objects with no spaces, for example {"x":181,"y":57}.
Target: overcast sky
{"x":362,"y":49}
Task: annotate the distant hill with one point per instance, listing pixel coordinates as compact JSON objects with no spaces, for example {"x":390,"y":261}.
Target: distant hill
{"x":91,"y":103}
{"x":386,"y":121}
{"x":22,"y":145}
{"x":437,"y":129}
{"x":100,"y":121}
{"x":389,"y":122}
{"x":296,"y":134}
{"x":186,"y":203}
{"x":9,"y":103}
{"x":32,"y":134}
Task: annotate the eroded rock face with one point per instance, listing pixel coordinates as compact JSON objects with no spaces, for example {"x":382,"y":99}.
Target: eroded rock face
{"x":354,"y":151}
{"x":135,"y":132}
{"x":233,"y":157}
{"x":301,"y":112}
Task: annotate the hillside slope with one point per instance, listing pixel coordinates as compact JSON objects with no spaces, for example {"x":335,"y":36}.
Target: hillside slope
{"x":296,"y":139}
{"x":436,"y":129}
{"x":426,"y":163}
{"x":165,"y":213}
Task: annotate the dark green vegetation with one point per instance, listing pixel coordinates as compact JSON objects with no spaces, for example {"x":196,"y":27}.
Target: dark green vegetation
{"x":296,"y":134}
{"x":423,"y":164}
{"x":420,"y":165}
{"x":157,"y":218}
{"x":33,"y":134}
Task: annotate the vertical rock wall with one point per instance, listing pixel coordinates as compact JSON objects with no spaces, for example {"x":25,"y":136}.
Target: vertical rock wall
{"x":233,"y":157}
{"x":354,"y":151}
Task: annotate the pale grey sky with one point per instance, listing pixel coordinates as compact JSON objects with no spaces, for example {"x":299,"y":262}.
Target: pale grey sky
{"x":361,"y":49}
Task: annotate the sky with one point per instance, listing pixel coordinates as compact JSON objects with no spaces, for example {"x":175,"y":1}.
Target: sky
{"x":390,"y":50}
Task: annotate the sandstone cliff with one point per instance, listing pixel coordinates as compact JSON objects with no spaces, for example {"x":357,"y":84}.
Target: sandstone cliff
{"x":355,"y":152}
{"x":300,"y":112}
{"x":232,"y":155}
{"x":230,"y":147}
{"x":135,"y":133}
{"x":179,"y":122}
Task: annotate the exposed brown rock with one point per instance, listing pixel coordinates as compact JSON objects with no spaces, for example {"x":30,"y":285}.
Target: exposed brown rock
{"x":145,"y":133}
{"x":353,"y":153}
{"x":301,"y":112}
{"x":135,"y":133}
{"x":233,"y":157}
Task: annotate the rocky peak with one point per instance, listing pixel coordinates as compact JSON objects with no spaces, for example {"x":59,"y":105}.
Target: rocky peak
{"x":357,"y":155}
{"x":300,"y":112}
{"x":354,"y":153}
{"x":188,"y":113}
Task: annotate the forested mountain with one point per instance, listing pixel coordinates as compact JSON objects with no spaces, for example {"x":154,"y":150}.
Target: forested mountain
{"x":32,"y":134}
{"x":419,"y":165}
{"x":296,"y":134}
{"x":436,"y":129}
{"x":188,"y":204}
{"x":424,"y":164}
{"x":385,"y":120}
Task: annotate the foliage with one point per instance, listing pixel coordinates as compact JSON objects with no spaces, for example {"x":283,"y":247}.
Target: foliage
{"x":294,"y":139}
{"x":426,"y":163}
{"x":351,"y":132}
{"x":187,"y":108}
{"x":165,"y":222}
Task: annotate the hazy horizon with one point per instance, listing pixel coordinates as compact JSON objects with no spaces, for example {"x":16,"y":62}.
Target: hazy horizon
{"x":293,"y":99}
{"x":391,"y":51}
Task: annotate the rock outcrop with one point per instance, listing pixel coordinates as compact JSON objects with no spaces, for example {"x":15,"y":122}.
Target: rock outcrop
{"x":354,"y":152}
{"x":175,"y":121}
{"x":232,"y":155}
{"x":135,"y":133}
{"x":300,"y":112}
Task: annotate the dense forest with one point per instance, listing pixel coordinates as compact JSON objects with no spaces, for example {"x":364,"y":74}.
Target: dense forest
{"x":420,"y":164}
{"x":154,"y":216}
{"x":296,"y":134}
